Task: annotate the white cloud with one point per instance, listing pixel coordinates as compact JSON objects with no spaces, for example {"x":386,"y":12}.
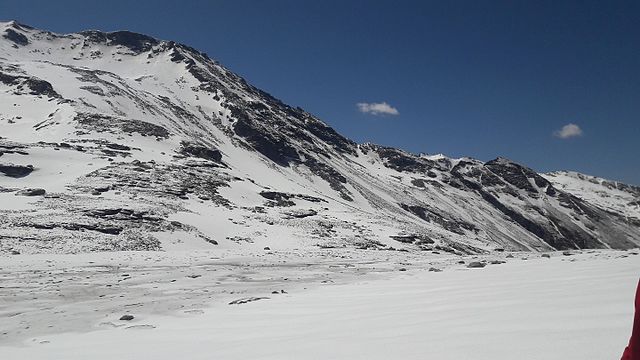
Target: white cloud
{"x":377,"y":109}
{"x":568,"y":131}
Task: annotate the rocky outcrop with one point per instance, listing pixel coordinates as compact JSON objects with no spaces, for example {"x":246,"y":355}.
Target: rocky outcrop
{"x":201,"y":151}
{"x":16,"y":171}
{"x":15,"y":37}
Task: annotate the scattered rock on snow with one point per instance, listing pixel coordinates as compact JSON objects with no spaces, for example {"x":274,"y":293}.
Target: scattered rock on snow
{"x":299,"y":214}
{"x":476,"y":264}
{"x":247,"y":300}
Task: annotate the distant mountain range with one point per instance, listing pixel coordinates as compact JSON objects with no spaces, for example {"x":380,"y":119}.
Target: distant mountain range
{"x":119,"y":141}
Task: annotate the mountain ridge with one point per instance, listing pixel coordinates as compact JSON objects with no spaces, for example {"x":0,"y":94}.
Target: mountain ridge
{"x":163,"y":124}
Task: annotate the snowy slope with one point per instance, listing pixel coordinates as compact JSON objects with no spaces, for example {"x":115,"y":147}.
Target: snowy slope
{"x":142,"y":144}
{"x":609,"y":195}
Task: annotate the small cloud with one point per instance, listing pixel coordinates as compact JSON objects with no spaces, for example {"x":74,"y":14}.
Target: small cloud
{"x":377,"y":109}
{"x":568,"y":131}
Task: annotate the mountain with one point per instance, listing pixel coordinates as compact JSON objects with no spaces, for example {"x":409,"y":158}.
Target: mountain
{"x":119,"y":141}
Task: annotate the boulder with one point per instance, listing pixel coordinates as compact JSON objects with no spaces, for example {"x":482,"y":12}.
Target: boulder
{"x":16,"y":171}
{"x":476,"y":264}
{"x":31,"y":192}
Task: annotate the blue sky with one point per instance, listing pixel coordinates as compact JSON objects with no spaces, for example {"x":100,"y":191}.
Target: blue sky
{"x":466,"y":78}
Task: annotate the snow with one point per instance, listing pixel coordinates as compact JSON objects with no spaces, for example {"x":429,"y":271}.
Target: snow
{"x":577,"y":307}
{"x":606,"y":194}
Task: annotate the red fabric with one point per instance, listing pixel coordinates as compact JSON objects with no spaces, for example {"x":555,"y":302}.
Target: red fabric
{"x":632,"y":352}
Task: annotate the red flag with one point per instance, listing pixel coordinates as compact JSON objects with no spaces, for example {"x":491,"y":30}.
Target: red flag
{"x":632,"y":352}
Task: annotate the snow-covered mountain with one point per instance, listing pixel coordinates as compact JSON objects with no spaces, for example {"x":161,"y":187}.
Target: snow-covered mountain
{"x":119,"y":141}
{"x":612,"y":196}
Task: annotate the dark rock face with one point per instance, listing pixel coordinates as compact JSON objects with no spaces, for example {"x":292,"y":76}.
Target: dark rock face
{"x":16,"y":171}
{"x":402,"y":161}
{"x":126,"y":317}
{"x":133,"y":41}
{"x":16,"y":37}
{"x":36,"y":86}
{"x":203,"y":152}
{"x":275,"y":149}
{"x":430,"y":215}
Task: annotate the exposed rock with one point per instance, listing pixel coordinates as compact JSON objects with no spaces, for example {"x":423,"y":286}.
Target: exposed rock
{"x":31,"y":192}
{"x":16,"y":37}
{"x":476,"y":264}
{"x":16,"y":171}
{"x":247,"y":300}
{"x":302,"y":213}
{"x":201,"y":151}
{"x":126,"y":317}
